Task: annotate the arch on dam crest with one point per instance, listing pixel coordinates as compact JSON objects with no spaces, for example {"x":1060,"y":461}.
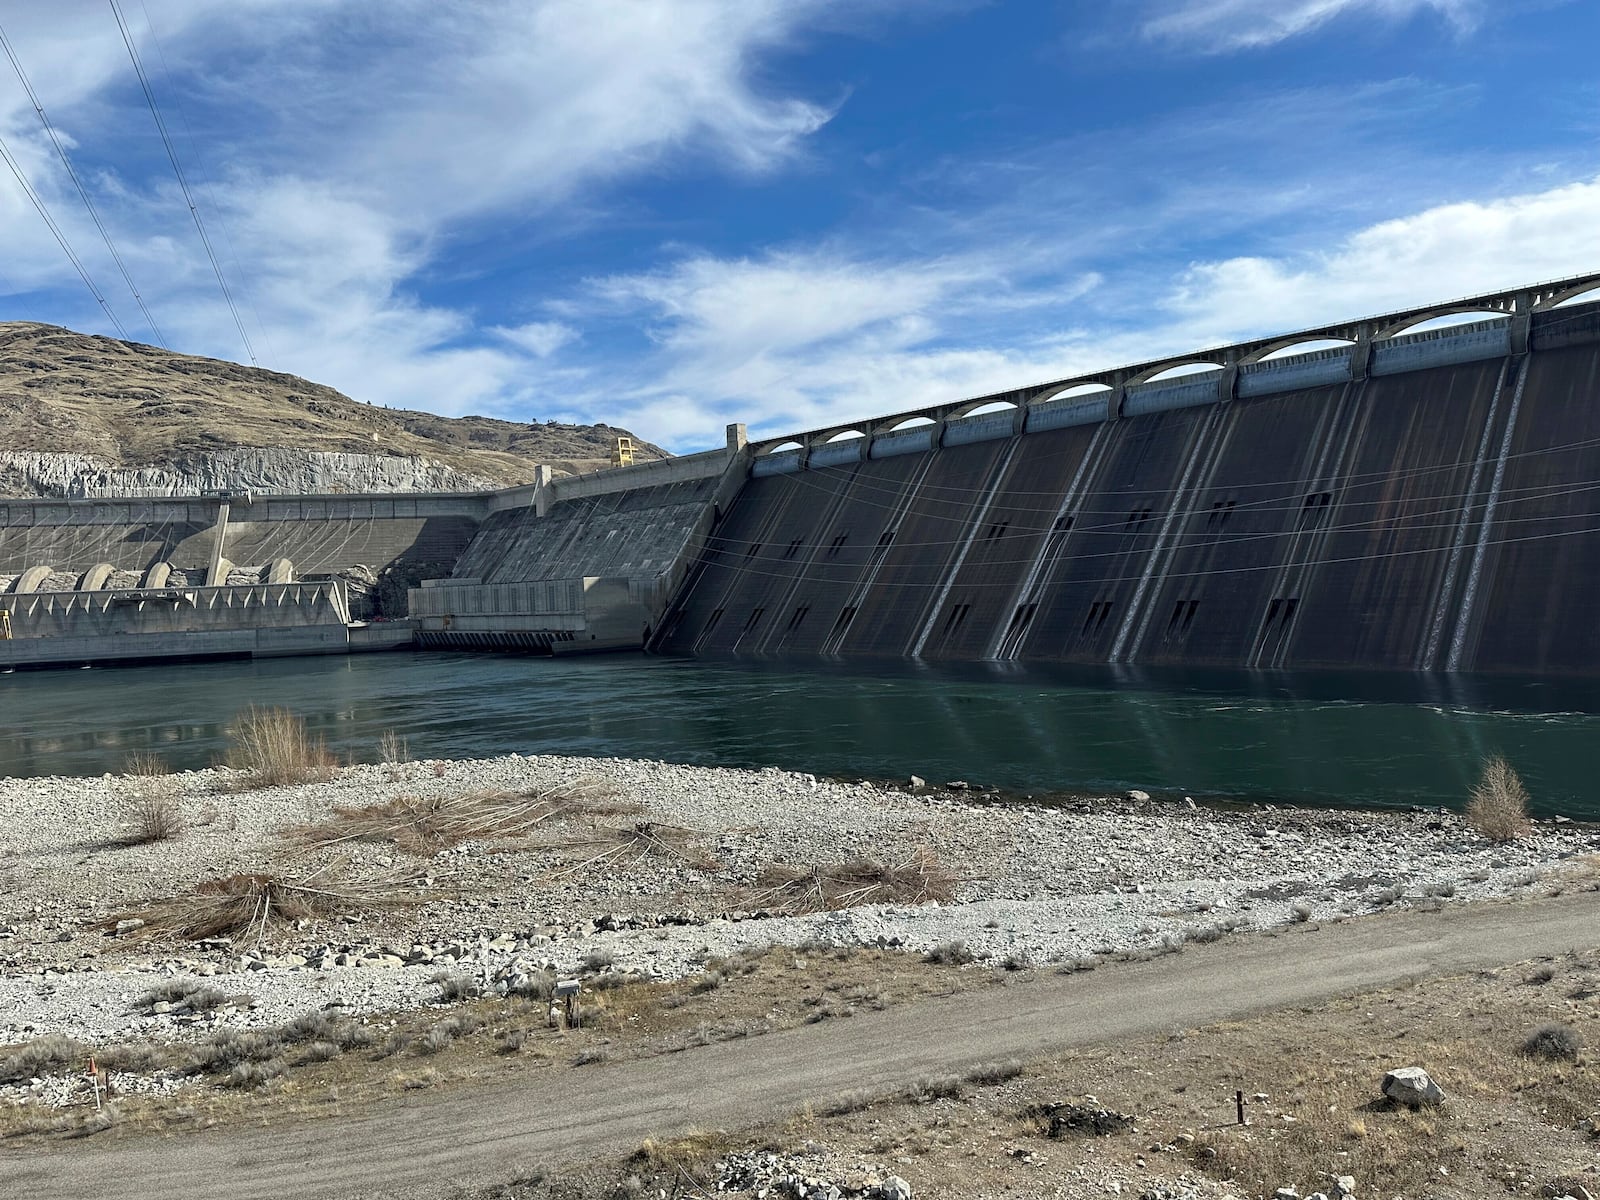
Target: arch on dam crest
{"x":1298,"y":344}
{"x":1588,"y":295}
{"x":982,"y":408}
{"x":1078,"y":390}
{"x":1189,"y":371}
{"x":1447,"y":318}
{"x":1223,"y":361}
{"x":844,"y":435}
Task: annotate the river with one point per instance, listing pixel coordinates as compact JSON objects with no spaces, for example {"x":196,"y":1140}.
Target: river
{"x":1364,"y":741}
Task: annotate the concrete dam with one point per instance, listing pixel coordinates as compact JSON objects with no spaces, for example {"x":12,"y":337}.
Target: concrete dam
{"x":1366,"y":495}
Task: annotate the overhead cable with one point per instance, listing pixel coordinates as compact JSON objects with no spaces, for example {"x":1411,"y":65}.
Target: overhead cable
{"x":83,"y":194}
{"x":61,"y":238}
{"x":177,"y":170}
{"x":211,"y":192}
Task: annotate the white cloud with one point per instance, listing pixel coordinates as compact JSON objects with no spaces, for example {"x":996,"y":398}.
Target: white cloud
{"x":539,"y":338}
{"x":798,"y":342}
{"x":1451,"y":250}
{"x":1222,"y":25}
{"x":344,"y":145}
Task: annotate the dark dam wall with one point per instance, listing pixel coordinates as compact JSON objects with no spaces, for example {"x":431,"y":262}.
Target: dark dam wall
{"x":1441,"y":518}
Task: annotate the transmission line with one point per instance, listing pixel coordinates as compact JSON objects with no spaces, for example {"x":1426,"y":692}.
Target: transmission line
{"x":177,"y":170}
{"x":211,"y":192}
{"x":61,"y":238}
{"x":83,"y":194}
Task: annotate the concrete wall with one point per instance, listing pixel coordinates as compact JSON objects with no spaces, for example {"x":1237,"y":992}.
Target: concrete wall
{"x":565,"y":616}
{"x":317,"y":533}
{"x":1436,"y":515}
{"x":53,"y":628}
{"x":636,"y":532}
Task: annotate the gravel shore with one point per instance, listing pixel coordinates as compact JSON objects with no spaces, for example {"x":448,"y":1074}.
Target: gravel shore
{"x":1040,"y":881}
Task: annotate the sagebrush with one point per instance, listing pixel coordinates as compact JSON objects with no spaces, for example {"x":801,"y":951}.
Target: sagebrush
{"x":1498,"y":806}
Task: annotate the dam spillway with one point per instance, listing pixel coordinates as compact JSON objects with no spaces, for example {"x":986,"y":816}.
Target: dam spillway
{"x":1435,"y":511}
{"x":1368,"y":495}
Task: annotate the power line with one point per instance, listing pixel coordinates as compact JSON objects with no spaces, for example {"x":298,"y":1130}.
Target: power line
{"x":61,"y":238}
{"x":177,"y":170}
{"x":83,"y":193}
{"x":211,"y":193}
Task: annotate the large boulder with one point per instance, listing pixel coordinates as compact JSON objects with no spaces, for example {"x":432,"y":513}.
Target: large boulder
{"x":1413,"y":1086}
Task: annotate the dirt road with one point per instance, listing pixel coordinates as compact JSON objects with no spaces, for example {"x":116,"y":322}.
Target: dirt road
{"x":429,"y":1145}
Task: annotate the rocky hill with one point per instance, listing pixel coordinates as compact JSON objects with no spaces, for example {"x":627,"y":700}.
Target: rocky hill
{"x":83,"y":415}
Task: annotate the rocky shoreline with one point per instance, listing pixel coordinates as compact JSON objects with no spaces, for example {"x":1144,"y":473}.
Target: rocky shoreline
{"x":1035,"y":883}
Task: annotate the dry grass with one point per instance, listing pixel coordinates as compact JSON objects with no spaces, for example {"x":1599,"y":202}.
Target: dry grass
{"x":253,"y":904}
{"x":917,"y":879}
{"x":272,"y":747}
{"x":1498,"y":807}
{"x":427,"y":824}
{"x":608,"y":845}
{"x":689,"y":1158}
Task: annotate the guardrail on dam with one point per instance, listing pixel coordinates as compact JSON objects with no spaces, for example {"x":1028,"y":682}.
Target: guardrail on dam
{"x":1413,"y":501}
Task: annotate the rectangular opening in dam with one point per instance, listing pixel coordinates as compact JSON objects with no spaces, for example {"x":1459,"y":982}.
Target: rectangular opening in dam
{"x":1315,"y":509}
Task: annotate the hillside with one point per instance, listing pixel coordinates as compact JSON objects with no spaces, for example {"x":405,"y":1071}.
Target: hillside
{"x":126,"y":405}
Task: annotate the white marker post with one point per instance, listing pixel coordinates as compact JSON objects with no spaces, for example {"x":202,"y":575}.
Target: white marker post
{"x":566,"y":991}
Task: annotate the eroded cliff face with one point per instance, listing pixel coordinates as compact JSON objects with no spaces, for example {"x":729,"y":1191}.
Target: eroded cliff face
{"x":279,"y":471}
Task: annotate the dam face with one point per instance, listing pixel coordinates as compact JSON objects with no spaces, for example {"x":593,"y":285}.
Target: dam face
{"x":1421,"y":500}
{"x":1439,"y":513}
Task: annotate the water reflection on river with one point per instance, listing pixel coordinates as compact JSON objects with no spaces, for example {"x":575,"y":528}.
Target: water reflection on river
{"x":1373,"y":740}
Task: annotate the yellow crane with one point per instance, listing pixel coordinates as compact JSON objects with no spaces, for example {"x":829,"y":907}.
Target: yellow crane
{"x":622,"y":454}
{"x":5,"y":624}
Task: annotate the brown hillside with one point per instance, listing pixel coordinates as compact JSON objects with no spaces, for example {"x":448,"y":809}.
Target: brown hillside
{"x":136,"y":405}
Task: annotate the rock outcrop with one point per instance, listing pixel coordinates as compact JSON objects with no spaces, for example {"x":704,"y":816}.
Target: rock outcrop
{"x":275,"y":470}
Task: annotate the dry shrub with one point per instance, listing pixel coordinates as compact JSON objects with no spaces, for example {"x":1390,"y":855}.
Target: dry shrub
{"x":1498,"y":807}
{"x":428,"y":824}
{"x":272,"y":747}
{"x":155,"y":819}
{"x":1555,"y":1042}
{"x":917,"y":879}
{"x":253,"y":903}
{"x":153,"y":810}
{"x":145,"y":764}
{"x":611,"y":844}
{"x":394,"y":748}
{"x":42,"y":1056}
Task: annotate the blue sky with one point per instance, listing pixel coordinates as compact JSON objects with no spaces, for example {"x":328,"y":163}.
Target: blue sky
{"x":671,"y":214}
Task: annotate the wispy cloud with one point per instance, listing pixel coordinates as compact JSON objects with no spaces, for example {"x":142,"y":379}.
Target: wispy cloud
{"x":835,"y":339}
{"x":346,"y":145}
{"x":1217,"y":26}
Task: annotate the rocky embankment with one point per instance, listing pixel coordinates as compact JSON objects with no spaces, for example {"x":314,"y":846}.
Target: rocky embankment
{"x":673,"y":866}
